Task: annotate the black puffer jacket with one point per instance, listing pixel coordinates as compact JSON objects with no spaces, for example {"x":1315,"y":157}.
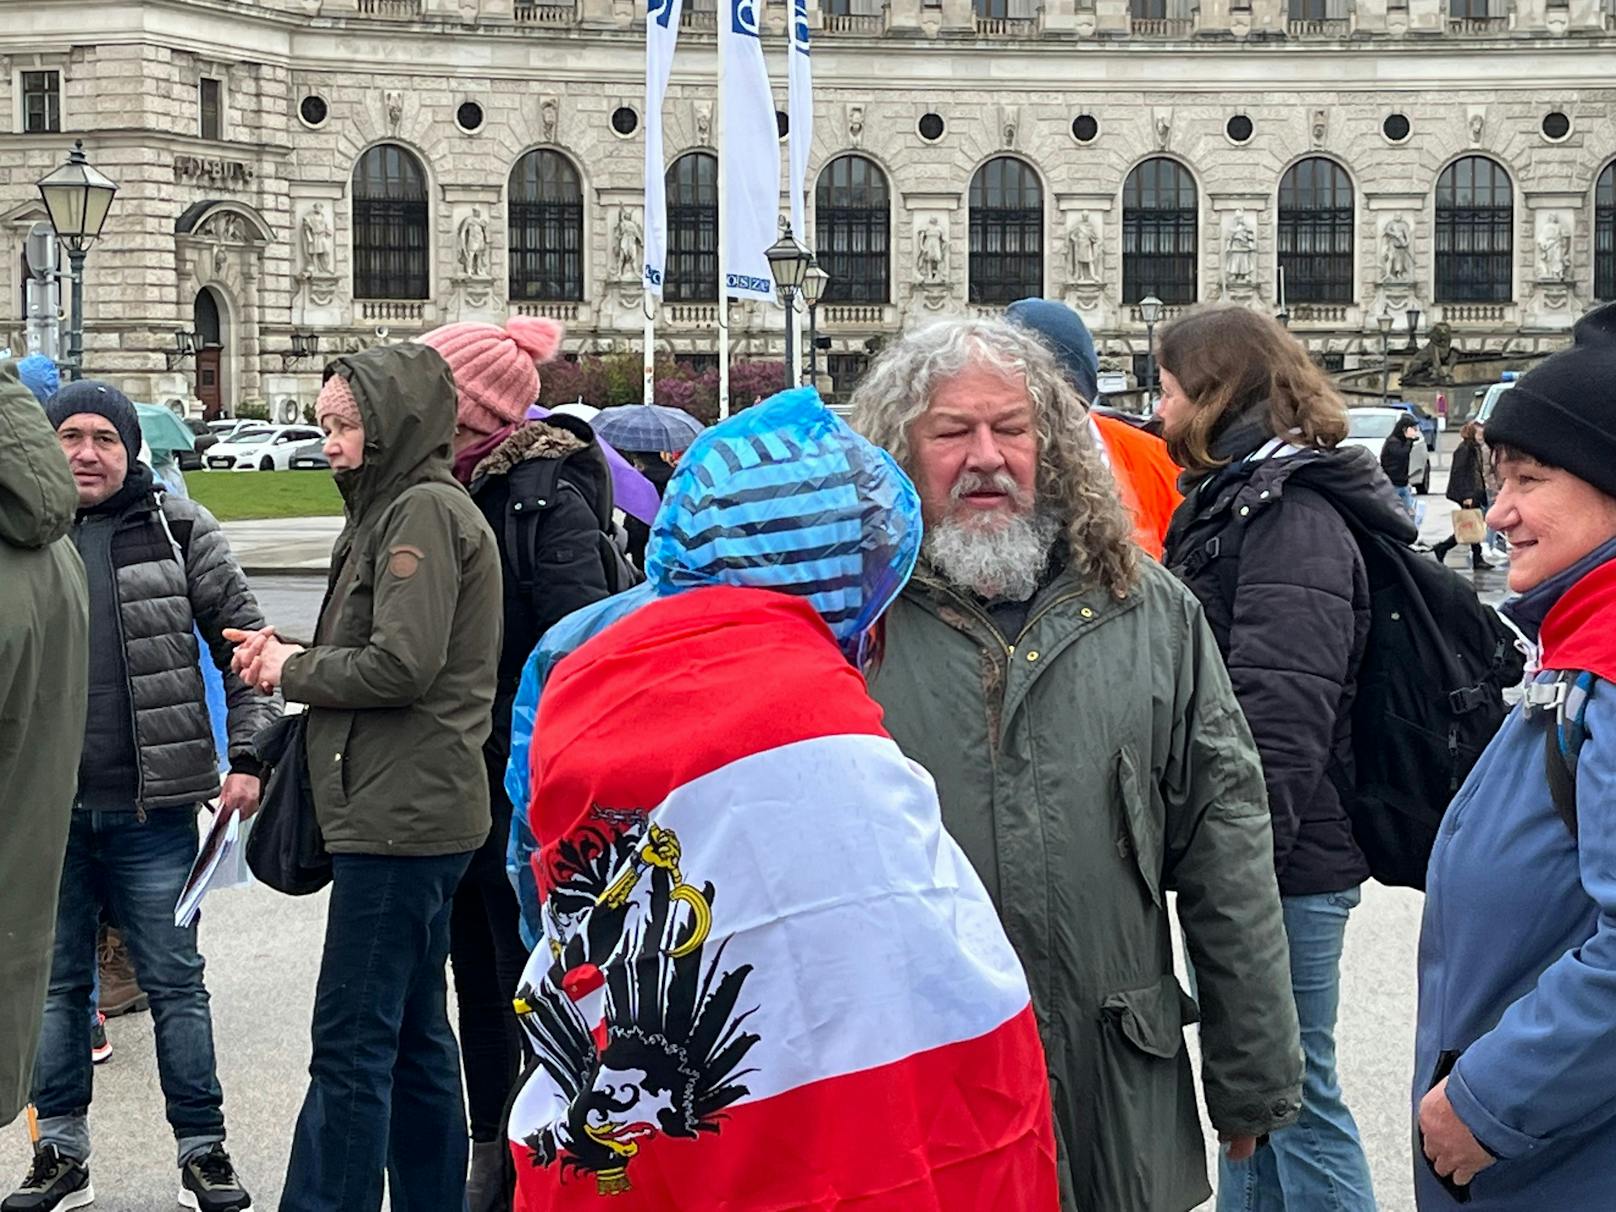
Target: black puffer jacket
{"x":1288,"y":600}
{"x":1467,"y":482}
{"x":1397,"y":454}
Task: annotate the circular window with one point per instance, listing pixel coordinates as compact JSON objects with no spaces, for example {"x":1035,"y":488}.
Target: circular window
{"x":1556,"y":126}
{"x":782,"y":122}
{"x":1395,"y":128}
{"x":1085,"y":129}
{"x":625,"y":121}
{"x":1238,"y":129}
{"x":931,"y":127}
{"x":313,"y":110}
{"x":469,"y":116}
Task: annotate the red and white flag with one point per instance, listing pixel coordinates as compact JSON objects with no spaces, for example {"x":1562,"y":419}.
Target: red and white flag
{"x":770,"y":981}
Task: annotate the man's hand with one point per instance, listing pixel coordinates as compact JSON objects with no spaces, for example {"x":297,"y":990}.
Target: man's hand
{"x":265,"y":670}
{"x":1239,"y":1148}
{"x":248,"y":645}
{"x":1453,"y":1151}
{"x":240,"y":795}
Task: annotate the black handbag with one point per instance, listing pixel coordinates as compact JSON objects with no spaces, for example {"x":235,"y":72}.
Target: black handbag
{"x":285,"y":848}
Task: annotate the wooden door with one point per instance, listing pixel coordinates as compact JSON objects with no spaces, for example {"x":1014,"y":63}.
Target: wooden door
{"x":207,"y":383}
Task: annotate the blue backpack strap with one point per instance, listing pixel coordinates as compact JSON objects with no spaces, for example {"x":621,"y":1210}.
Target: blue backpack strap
{"x":1563,"y":736}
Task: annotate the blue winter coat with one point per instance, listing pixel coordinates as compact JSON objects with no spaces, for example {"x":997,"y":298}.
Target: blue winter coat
{"x":1518,"y":958}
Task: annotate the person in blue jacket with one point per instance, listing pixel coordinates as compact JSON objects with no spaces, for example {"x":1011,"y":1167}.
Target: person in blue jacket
{"x":1515,"y":1056}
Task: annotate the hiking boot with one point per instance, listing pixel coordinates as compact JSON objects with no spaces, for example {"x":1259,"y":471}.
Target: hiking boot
{"x":485,"y":1188}
{"x":208,"y":1183}
{"x":54,"y":1184}
{"x":1440,"y":551}
{"x":120,"y":993}
{"x":100,"y":1045}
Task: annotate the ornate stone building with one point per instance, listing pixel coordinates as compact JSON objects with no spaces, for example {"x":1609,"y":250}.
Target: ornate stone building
{"x":344,"y":167}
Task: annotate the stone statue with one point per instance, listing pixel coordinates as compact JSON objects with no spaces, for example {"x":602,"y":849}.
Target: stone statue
{"x":1478,"y":123}
{"x":549,"y":118}
{"x":1240,"y":263}
{"x":473,"y":239}
{"x":931,"y":253}
{"x":1321,"y":123}
{"x":1397,"y":251}
{"x":855,"y":124}
{"x":1436,"y":362}
{"x":628,"y":244}
{"x":395,"y":108}
{"x":1083,"y":251}
{"x":704,"y":124}
{"x":319,"y":257}
{"x":1553,"y":251}
{"x":1164,"y":130}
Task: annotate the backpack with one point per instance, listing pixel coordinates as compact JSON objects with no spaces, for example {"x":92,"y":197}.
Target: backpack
{"x":1563,"y":706}
{"x":525,"y":516}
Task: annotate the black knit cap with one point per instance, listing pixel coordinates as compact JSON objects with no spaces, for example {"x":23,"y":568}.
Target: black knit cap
{"x":1563,"y":411}
{"x":102,"y":399}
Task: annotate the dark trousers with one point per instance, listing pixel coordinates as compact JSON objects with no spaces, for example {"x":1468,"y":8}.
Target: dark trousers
{"x":485,"y":942}
{"x":384,"y":1088}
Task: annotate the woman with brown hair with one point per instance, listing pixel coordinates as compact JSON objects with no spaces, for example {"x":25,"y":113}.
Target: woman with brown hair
{"x":1263,"y":541}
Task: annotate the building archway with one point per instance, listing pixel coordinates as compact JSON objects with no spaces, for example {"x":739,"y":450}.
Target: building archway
{"x":210,"y":323}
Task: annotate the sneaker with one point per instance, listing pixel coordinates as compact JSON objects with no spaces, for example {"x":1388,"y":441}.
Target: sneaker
{"x":54,"y":1184}
{"x":120,"y":992}
{"x":208,"y":1183}
{"x":100,"y":1045}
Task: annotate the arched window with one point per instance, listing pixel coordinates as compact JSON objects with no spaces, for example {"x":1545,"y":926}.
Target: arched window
{"x":546,"y":225}
{"x":853,"y":228}
{"x":1475,"y":241}
{"x":1159,"y":245}
{"x":692,"y":271}
{"x":391,"y":243}
{"x":1007,"y":232}
{"x":1605,"y":235}
{"x":1315,"y":232}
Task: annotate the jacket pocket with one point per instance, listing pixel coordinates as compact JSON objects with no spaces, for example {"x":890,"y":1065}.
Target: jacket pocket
{"x":1141,"y":836}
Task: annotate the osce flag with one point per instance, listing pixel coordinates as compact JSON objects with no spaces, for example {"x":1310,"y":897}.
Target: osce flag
{"x":801,"y":109}
{"x":770,"y":980}
{"x":661,"y":36}
{"x":751,"y":152}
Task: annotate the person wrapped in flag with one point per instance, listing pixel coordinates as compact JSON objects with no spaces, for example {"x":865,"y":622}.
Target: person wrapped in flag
{"x":768,"y":978}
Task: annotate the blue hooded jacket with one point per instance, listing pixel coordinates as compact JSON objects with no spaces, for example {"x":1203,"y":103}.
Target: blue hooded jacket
{"x":783,"y":496}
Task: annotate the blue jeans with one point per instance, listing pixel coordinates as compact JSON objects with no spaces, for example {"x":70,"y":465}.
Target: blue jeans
{"x":384,"y":1090}
{"x":1405,"y":494}
{"x":137,"y":869}
{"x":1318,"y":1163}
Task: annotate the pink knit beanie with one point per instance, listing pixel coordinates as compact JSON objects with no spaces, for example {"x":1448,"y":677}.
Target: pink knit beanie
{"x":336,"y":398}
{"x":496,"y":370}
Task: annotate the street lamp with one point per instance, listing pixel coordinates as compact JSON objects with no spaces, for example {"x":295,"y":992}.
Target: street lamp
{"x":77,"y":199}
{"x":304,"y":345}
{"x":1413,"y":315}
{"x":184,"y":347}
{"x":1384,"y":322}
{"x":1150,"y":308}
{"x":813,"y":290}
{"x":788,"y":262}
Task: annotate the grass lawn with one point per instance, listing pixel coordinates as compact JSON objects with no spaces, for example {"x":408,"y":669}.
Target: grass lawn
{"x":234,"y":496}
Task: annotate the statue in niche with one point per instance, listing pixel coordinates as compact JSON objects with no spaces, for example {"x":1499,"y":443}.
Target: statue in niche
{"x":628,"y":244}
{"x":1397,"y":251}
{"x":1478,"y":123}
{"x":549,"y":118}
{"x":704,"y":124}
{"x":319,"y":255}
{"x":931,"y":252}
{"x":1164,"y":130}
{"x":1083,"y":251}
{"x":395,"y":108}
{"x":1240,"y":262}
{"x":855,"y":124}
{"x":1553,"y":251}
{"x":473,"y":240}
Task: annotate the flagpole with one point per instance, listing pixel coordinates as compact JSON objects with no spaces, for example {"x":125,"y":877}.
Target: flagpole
{"x":648,"y":394}
{"x":723,"y":266}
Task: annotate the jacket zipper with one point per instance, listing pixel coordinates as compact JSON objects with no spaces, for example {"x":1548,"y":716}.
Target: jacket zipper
{"x":970,"y":607}
{"x":134,"y":726}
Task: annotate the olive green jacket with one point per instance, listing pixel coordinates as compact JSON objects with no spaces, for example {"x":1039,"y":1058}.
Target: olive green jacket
{"x":44,"y":667}
{"x":1088,"y":768}
{"x":400,"y":681}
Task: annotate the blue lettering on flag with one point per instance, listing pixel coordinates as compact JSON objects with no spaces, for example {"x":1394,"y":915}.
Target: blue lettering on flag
{"x":744,"y":17}
{"x":747,"y":282}
{"x":799,"y":15}
{"x":653,"y":276}
{"x":660,"y":11}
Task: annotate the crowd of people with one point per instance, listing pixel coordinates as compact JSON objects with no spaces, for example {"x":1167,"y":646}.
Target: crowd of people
{"x":972,"y":699}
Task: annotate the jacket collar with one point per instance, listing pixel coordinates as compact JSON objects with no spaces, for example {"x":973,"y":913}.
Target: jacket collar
{"x":1573,"y":615}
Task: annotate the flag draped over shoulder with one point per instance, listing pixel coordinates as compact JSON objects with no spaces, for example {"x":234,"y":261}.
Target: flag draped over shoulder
{"x":770,"y":980}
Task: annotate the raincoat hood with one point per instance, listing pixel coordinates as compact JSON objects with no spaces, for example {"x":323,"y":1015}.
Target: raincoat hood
{"x":37,"y":496}
{"x":785,"y":496}
{"x":407,"y":402}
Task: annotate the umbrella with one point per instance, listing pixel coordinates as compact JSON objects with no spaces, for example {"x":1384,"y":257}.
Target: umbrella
{"x":584,"y":412}
{"x":634,"y":494}
{"x":162,"y":430}
{"x":647,"y":428}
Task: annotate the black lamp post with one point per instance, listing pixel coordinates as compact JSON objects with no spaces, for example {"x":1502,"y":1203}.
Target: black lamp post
{"x":304,"y":345}
{"x":813,"y":290}
{"x":77,"y":199}
{"x":788,"y":262}
{"x":1384,"y":322}
{"x":184,"y":347}
{"x":1150,"y":309}
{"x":1413,"y":315}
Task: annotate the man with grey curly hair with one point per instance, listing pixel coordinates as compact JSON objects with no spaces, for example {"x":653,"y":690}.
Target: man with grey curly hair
{"x":1068,"y":697}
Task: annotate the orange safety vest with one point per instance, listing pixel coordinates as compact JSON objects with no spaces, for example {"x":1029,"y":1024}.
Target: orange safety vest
{"x":1147,"y":476}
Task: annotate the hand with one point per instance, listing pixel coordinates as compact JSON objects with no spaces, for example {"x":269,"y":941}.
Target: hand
{"x":1469,"y":504}
{"x":1239,"y":1148}
{"x":240,"y":795}
{"x":264,"y":673}
{"x":1453,"y":1151}
{"x":248,"y":645}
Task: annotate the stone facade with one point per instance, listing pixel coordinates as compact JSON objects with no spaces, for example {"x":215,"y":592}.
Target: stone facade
{"x":228,"y":214}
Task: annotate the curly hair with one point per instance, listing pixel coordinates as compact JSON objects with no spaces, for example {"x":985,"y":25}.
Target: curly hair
{"x":1231,"y":362}
{"x":1073,"y":479}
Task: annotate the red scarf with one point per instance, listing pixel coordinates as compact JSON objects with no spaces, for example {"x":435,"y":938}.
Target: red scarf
{"x":1580,"y":632}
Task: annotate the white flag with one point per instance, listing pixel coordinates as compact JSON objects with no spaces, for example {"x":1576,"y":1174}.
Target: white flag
{"x":661,"y":36}
{"x":802,"y":115}
{"x":750,"y":213}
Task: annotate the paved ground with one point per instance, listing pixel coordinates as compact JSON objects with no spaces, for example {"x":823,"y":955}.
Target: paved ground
{"x":263,"y":954}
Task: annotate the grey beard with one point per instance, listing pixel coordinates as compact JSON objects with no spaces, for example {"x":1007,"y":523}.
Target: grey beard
{"x":1001,"y":563}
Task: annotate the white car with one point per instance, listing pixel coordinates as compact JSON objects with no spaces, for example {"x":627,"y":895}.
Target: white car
{"x":264,"y":448}
{"x":1370,"y":427}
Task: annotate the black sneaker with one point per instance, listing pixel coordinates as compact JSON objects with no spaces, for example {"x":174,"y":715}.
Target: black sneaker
{"x":208,"y":1183}
{"x":54,"y":1184}
{"x":100,"y":1045}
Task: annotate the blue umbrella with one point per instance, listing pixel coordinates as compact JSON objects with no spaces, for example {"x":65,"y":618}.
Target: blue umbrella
{"x":647,"y":428}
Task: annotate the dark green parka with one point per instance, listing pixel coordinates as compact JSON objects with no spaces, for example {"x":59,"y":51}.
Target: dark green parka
{"x":400,"y":682}
{"x":1088,"y":767}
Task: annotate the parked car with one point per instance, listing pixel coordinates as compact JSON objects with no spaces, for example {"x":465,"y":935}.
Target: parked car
{"x":1370,"y":427}
{"x":310,"y":457}
{"x":1490,"y":400}
{"x":265,"y":448}
{"x":205,"y":435}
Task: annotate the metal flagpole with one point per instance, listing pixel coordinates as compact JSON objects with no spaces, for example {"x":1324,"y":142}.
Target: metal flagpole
{"x":723,"y":262}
